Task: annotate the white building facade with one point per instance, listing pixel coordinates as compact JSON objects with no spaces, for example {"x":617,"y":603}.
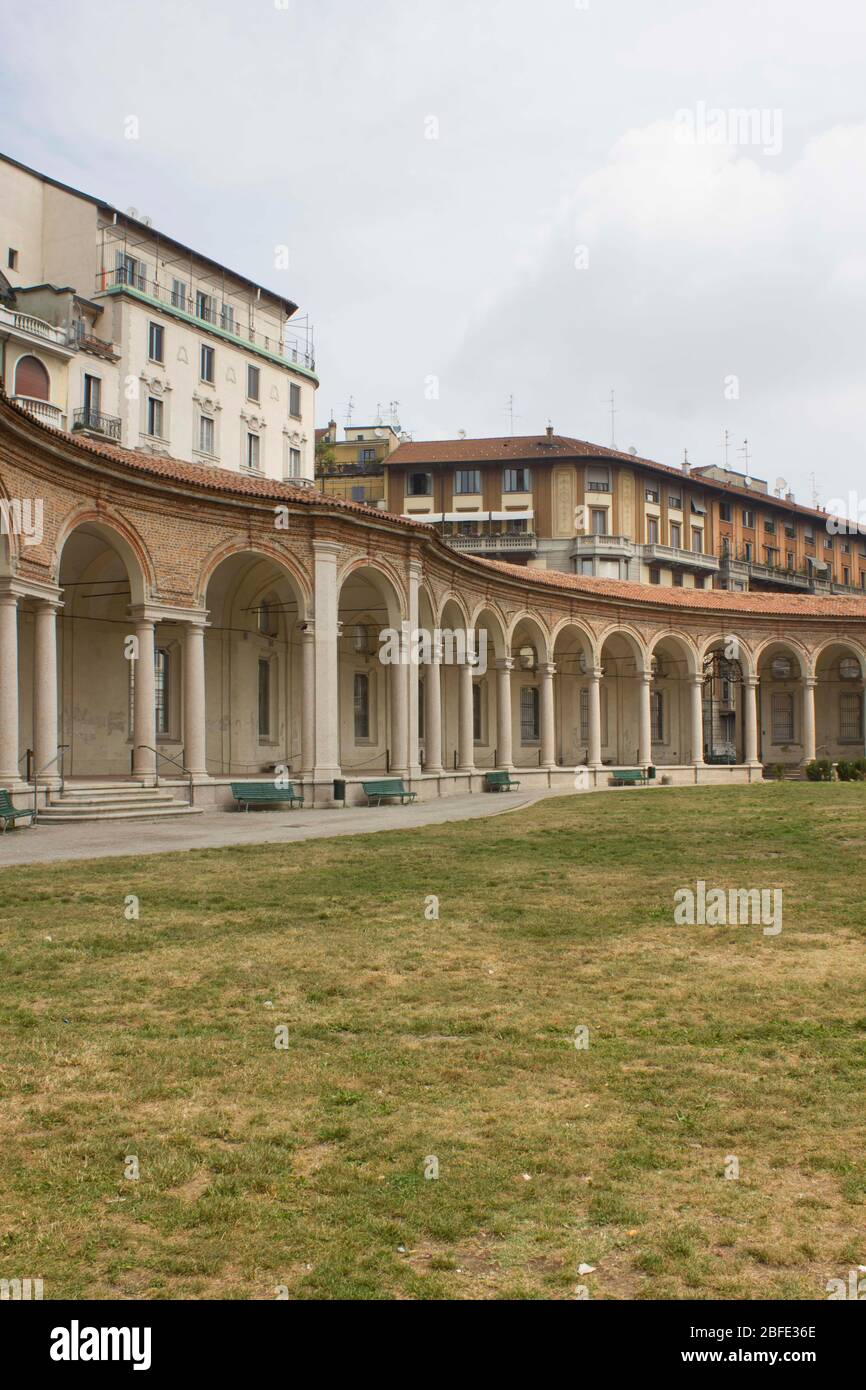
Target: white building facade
{"x":110,"y":328}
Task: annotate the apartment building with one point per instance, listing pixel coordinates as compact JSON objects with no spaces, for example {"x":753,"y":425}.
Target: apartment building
{"x":553,"y":502}
{"x":354,"y":467}
{"x":110,"y":328}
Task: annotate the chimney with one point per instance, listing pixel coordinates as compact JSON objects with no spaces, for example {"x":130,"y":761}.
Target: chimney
{"x":687,"y":468}
{"x":549,"y":431}
{"x":332,"y":431}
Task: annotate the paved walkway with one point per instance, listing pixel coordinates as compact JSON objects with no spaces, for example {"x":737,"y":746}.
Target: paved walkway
{"x":44,"y":844}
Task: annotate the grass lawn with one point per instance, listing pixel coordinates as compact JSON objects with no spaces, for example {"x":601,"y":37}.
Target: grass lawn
{"x":304,"y":1166}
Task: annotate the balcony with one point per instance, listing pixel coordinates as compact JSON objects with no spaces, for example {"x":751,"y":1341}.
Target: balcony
{"x":805,"y":581}
{"x":94,"y":422}
{"x":220,"y":319}
{"x":676,"y":558}
{"x":603,"y":547}
{"x":43,"y":410}
{"x":34,"y":330}
{"x":508,"y":543}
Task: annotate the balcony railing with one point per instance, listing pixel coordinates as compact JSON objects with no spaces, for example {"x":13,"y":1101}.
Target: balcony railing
{"x":524,"y":541}
{"x":34,"y":327}
{"x":43,"y":410}
{"x":207,"y":311}
{"x":86,"y":419}
{"x":653,"y":553}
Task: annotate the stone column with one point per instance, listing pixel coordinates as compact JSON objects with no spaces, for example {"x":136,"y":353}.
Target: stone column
{"x":9,"y":770}
{"x":327,"y":703}
{"x":593,"y":754}
{"x":45,"y":679}
{"x":465,"y":737}
{"x":308,"y":696}
{"x":809,"y":683}
{"x":504,"y":741}
{"x":750,"y":720}
{"x":697,"y":720}
{"x":413,"y":670}
{"x":546,"y":715}
{"x":194,"y":721}
{"x":399,"y":673}
{"x":144,"y":703}
{"x":433,"y":714}
{"x":645,"y":753}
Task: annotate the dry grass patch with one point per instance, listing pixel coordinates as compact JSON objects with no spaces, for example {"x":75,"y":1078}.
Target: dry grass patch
{"x":452,"y":1038}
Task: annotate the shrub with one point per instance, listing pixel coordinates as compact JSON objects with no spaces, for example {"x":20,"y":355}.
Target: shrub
{"x":820,"y":770}
{"x":845,"y":771}
{"x":776,"y":771}
{"x":859,"y":766}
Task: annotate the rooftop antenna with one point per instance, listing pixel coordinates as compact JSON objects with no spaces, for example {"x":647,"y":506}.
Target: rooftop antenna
{"x":726,"y":445}
{"x":813,"y":481}
{"x":747,"y":458}
{"x":509,"y":411}
{"x":395,"y":419}
{"x":613,"y":412}
{"x":349,"y":408}
{"x":378,"y":412}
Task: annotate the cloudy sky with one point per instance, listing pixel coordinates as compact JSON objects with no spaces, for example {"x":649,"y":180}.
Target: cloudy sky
{"x":487,"y":199}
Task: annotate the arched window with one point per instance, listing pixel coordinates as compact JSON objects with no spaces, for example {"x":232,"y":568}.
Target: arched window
{"x":32,"y":379}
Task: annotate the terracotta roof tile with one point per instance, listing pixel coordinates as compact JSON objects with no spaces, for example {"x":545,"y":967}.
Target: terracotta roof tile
{"x":243,"y":485}
{"x":665,"y":596}
{"x":203,"y":475}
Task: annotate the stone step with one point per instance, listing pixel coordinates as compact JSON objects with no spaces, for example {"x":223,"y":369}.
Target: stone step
{"x":64,"y":815}
{"x":96,"y":798}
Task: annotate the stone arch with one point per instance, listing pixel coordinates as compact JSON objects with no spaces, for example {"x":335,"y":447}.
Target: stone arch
{"x":384,"y":577}
{"x":790,"y":645}
{"x":744,"y":654}
{"x":297,"y":577}
{"x":103,"y":572}
{"x":373,"y":696}
{"x":856,"y":648}
{"x":253,"y":668}
{"x":838,"y":676}
{"x":119,"y":535}
{"x":580,"y":627}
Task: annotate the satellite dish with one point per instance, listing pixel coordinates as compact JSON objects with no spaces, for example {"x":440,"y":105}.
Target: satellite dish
{"x":133,"y":213}
{"x":146,"y":220}
{"x":632,"y":450}
{"x":461,"y":434}
{"x":380,"y":433}
{"x":781,"y":485}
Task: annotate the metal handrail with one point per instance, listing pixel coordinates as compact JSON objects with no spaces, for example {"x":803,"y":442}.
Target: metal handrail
{"x":176,"y":762}
{"x":59,"y":755}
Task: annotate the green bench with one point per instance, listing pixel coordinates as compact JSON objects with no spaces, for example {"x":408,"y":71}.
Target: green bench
{"x":501,"y":781}
{"x":629,"y":777}
{"x":377,"y":792}
{"x":265,"y":794}
{"x":9,"y":812}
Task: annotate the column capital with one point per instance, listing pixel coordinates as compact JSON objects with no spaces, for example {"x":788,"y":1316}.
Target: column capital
{"x":751,"y":681}
{"x":698,"y":680}
{"x":596,"y":673}
{"x":307,"y":629}
{"x":547,"y":669}
{"x":505,"y":663}
{"x":327,"y":550}
{"x":810,"y":682}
